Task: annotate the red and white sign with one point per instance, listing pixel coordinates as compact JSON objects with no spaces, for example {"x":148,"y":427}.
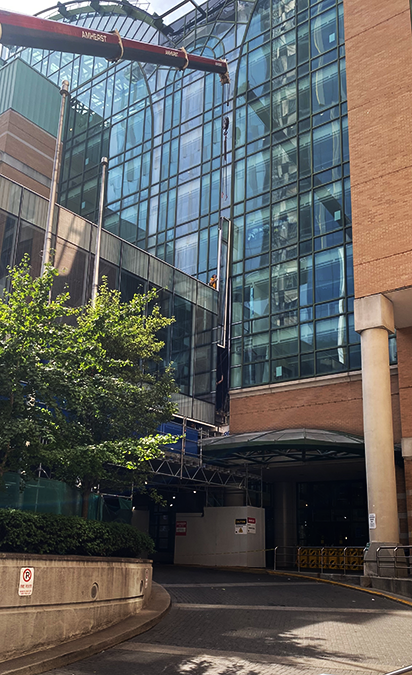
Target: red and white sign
{"x":181,"y":528}
{"x":26,"y":580}
{"x":251,"y":525}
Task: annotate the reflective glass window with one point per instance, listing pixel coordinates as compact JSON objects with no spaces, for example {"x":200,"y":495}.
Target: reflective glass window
{"x":305,"y":281}
{"x":257,"y":232}
{"x":260,"y":21}
{"x":284,"y":106}
{"x":258,"y":115}
{"x":190,"y":149}
{"x":325,"y":87}
{"x":186,"y":253}
{"x":283,"y":53}
{"x":256,"y":294}
{"x":326,"y":146}
{"x":323,"y":32}
{"x":284,"y":286}
{"x":135,"y":126}
{"x":188,"y":201}
{"x":331,"y":332}
{"x":258,"y":173}
{"x":284,"y":223}
{"x":285,"y":342}
{"x":259,"y":65}
{"x":329,"y":275}
{"x":284,"y":163}
{"x":328,"y":210}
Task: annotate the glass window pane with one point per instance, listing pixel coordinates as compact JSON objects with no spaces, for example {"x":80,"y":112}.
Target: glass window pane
{"x":258,"y":173}
{"x":329,"y":275}
{"x":331,"y":361}
{"x":192,"y":99}
{"x":331,"y":332}
{"x":323,"y":32}
{"x":305,"y":215}
{"x":258,"y":116}
{"x":257,"y":232}
{"x":282,"y":10}
{"x":326,"y":146}
{"x":188,"y":201}
{"x":237,"y":298}
{"x":325,"y":87}
{"x":328,"y":214}
{"x":305,"y":163}
{"x":284,"y":223}
{"x":259,"y":65}
{"x":284,"y":342}
{"x":303,"y":43}
{"x":306,"y":281}
{"x":306,"y":337}
{"x":284,"y":53}
{"x":284,"y":286}
{"x":304,"y":96}
{"x":135,"y":129}
{"x":284,"y":163}
{"x":256,"y":348}
{"x":190,"y":148}
{"x":255,"y":373}
{"x":186,"y":253}
{"x":285,"y":369}
{"x":260,"y":21}
{"x":284,"y":106}
{"x":256,"y":294}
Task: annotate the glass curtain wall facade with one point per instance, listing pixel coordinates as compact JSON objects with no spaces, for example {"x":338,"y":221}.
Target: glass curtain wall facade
{"x":190,"y":342}
{"x":282,"y":175}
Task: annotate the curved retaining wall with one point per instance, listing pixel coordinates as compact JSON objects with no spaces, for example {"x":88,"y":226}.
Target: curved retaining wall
{"x":72,"y":596}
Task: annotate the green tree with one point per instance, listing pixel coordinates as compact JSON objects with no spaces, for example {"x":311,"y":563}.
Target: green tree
{"x":79,"y":391}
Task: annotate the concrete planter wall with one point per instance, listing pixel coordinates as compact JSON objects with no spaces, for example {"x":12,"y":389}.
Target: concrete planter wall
{"x":72,"y":596}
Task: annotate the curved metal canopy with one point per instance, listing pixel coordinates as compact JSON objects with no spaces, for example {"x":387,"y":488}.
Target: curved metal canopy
{"x":287,"y":445}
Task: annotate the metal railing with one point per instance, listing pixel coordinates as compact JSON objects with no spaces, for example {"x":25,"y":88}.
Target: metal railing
{"x":341,"y":559}
{"x":400,"y":671}
{"x":394,"y":561}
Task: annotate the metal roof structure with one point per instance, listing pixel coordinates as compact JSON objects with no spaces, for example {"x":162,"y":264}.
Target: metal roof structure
{"x":285,"y":446}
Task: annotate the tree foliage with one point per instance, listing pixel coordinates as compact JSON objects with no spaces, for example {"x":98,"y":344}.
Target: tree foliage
{"x":78,"y":390}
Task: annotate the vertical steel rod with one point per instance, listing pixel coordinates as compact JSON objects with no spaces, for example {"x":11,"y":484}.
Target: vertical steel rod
{"x":104,"y":162}
{"x":54,"y":181}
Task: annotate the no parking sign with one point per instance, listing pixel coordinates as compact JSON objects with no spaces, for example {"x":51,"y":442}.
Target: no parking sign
{"x":26,"y":580}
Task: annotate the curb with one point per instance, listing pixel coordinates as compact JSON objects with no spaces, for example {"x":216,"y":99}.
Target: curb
{"x":81,"y":648}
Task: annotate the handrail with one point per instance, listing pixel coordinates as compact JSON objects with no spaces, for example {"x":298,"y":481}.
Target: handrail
{"x":407,"y":669}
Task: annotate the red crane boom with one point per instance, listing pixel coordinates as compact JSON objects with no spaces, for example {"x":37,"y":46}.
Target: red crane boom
{"x":30,"y":31}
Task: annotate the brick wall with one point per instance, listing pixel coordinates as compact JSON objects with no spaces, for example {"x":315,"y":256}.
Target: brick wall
{"x":321,"y":405}
{"x":379,"y":62}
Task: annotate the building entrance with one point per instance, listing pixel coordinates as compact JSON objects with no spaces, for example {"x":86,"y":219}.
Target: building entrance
{"x":332,"y":513}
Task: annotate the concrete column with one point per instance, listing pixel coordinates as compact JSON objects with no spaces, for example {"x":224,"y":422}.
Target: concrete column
{"x":407,"y":458}
{"x":285,"y":524}
{"x":374,"y":320}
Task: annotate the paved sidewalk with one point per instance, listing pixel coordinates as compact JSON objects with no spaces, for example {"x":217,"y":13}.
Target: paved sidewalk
{"x":235,"y":623}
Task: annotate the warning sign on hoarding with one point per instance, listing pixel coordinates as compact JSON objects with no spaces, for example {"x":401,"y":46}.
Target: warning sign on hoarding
{"x":240,"y":526}
{"x":181,"y":528}
{"x":26,"y":580}
{"x":251,"y":525}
